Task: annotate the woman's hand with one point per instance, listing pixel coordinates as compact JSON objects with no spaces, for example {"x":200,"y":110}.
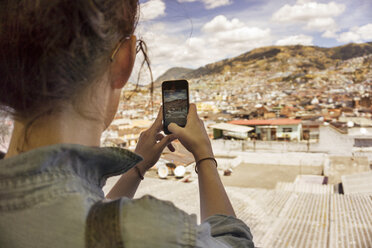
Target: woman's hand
{"x":193,"y":136}
{"x":151,"y":143}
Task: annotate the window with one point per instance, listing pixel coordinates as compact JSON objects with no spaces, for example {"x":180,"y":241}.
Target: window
{"x":363,"y":143}
{"x":287,"y":130}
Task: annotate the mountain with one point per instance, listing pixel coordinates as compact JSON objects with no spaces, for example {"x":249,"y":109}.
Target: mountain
{"x":351,"y":51}
{"x":276,"y":59}
{"x":171,"y":74}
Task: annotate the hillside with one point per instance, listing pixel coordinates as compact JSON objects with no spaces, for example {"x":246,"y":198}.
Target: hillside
{"x":276,"y":59}
{"x":171,"y":74}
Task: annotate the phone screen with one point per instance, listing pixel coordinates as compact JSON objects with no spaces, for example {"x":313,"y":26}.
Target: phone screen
{"x":175,"y":105}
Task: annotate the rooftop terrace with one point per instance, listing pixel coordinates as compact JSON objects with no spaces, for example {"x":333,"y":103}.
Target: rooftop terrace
{"x":289,"y":216}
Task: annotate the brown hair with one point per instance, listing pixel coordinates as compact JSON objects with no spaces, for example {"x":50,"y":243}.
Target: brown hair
{"x":51,"y":50}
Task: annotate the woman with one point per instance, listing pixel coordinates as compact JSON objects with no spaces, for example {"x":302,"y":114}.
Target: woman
{"x":63,"y":65}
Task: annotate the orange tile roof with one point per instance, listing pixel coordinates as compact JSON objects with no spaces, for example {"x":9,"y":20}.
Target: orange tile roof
{"x":275,"y":122}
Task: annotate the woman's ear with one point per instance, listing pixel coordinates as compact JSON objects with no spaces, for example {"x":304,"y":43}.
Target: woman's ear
{"x":123,"y":62}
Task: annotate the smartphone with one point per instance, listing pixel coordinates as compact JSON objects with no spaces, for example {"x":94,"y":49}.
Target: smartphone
{"x":175,"y":96}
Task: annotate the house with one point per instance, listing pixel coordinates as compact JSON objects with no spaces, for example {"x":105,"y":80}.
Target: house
{"x":126,"y":132}
{"x":270,"y":115}
{"x":330,"y":114}
{"x":260,"y":112}
{"x":276,"y":129}
{"x":225,"y":130}
{"x":311,"y":129}
{"x":287,"y":111}
{"x":355,"y":141}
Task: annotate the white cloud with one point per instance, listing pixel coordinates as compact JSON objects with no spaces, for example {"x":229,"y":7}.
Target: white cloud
{"x":349,"y":37}
{"x":233,"y":31}
{"x":326,"y":25}
{"x":296,"y":40}
{"x":308,"y":10}
{"x":221,"y":23}
{"x":357,"y":34}
{"x":220,"y":38}
{"x":242,"y":35}
{"x":330,"y":34}
{"x":210,"y":4}
{"x":321,"y":24}
{"x":152,"y":9}
{"x":317,"y":16}
{"x":365,"y":32}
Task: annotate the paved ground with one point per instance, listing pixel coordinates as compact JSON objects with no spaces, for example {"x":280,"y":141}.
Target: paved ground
{"x":266,"y":176}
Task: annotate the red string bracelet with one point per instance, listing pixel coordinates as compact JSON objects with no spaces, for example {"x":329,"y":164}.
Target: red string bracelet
{"x":197,"y":163}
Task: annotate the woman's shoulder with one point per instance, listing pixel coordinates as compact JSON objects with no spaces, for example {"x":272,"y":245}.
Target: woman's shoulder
{"x":51,"y":172}
{"x":147,"y":221}
{"x":150,"y":222}
{"x":45,"y":175}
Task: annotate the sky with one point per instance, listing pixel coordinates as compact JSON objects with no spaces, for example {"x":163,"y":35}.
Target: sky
{"x":193,"y":33}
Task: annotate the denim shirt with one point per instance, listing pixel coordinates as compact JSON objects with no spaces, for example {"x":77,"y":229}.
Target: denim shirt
{"x":52,"y":197}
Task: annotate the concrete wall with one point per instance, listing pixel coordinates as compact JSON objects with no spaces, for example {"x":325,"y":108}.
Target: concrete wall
{"x":330,"y":141}
{"x":333,"y":142}
{"x":249,"y":145}
{"x":269,"y":153}
{"x":337,"y":166}
{"x":366,"y":152}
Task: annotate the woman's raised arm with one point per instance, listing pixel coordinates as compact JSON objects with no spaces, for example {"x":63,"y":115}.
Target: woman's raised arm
{"x":213,"y":197}
{"x":150,"y":146}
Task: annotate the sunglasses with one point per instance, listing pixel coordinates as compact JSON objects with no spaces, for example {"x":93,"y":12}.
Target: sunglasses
{"x":140,"y":47}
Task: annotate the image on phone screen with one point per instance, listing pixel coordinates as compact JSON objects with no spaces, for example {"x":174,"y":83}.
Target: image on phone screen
{"x":175,"y":106}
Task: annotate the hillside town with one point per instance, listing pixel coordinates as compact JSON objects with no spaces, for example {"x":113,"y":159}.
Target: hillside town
{"x":292,"y":137}
{"x":186,"y":123}
{"x":278,"y":105}
{"x":294,"y":149}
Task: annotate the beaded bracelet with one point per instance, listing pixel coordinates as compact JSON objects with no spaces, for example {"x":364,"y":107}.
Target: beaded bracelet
{"x":139,"y":172}
{"x":197,"y":163}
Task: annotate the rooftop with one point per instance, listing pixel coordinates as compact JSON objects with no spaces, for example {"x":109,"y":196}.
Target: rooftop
{"x":292,"y":215}
{"x":232,"y":127}
{"x":274,"y":122}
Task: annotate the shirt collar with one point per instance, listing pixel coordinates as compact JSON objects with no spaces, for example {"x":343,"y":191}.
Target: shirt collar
{"x":94,"y":164}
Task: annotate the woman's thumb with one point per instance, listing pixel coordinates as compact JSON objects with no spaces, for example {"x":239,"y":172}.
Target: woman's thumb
{"x":174,"y":128}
